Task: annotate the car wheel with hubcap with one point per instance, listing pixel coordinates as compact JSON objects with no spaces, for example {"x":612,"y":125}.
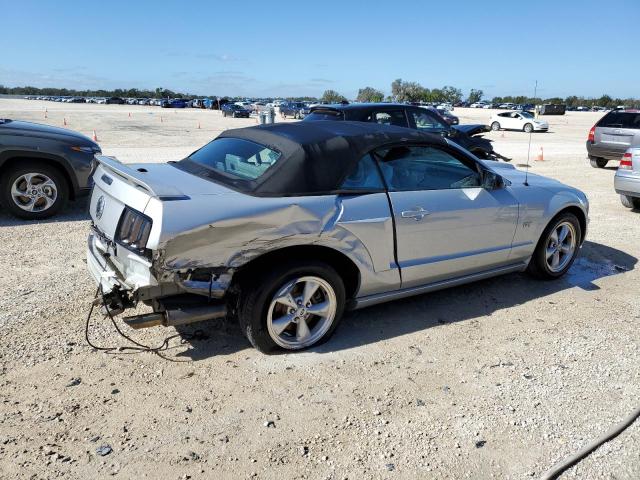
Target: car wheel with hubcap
{"x":630,"y":202}
{"x":557,"y":248}
{"x":495,"y":126}
{"x":528,"y":128}
{"x":33,"y":190}
{"x":597,"y":162}
{"x":291,"y":307}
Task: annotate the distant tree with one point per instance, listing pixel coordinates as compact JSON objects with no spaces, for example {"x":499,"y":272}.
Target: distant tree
{"x":402,"y":91}
{"x":605,"y":101}
{"x":475,"y":95}
{"x":370,"y":94}
{"x":451,"y":94}
{"x":331,"y":96}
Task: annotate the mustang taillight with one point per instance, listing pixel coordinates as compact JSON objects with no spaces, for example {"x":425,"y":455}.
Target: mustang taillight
{"x":133,"y":230}
{"x":626,"y":162}
{"x":592,"y":135}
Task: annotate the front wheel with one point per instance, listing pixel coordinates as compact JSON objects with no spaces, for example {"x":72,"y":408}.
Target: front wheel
{"x":630,"y":202}
{"x":291,"y":307}
{"x":597,"y":162}
{"x":557,"y":248}
{"x":495,"y":126}
{"x":528,"y":128}
{"x":33,"y":190}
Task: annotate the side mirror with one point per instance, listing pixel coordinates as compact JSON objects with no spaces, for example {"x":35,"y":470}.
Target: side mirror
{"x":492,"y":181}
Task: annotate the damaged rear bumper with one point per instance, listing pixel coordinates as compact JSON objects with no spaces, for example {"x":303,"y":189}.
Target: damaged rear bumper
{"x":117,"y":269}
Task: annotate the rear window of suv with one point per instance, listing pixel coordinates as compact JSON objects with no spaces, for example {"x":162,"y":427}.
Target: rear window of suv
{"x":620,"y":120}
{"x":324,"y":115}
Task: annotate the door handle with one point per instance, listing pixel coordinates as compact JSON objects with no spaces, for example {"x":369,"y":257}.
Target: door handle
{"x":418,"y":214}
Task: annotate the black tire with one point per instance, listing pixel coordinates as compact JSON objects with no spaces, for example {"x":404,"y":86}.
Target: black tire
{"x":528,"y":128}
{"x":224,"y":114}
{"x":597,"y":162}
{"x":630,"y":202}
{"x":11,"y":174}
{"x":538,"y":267}
{"x":495,"y":126}
{"x":257,"y":290}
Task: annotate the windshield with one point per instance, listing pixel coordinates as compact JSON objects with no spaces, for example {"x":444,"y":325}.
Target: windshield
{"x":235,"y":158}
{"x":526,"y":114}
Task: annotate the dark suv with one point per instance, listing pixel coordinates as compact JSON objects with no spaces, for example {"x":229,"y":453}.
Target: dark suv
{"x":410,"y":116}
{"x":294,"y":109}
{"x":614,"y":133}
{"x":41,"y":167}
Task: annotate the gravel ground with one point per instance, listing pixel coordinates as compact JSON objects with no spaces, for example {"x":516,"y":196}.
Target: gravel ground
{"x":498,"y":379}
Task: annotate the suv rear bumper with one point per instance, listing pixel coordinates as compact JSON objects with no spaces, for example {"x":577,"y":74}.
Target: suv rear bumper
{"x":609,"y":153}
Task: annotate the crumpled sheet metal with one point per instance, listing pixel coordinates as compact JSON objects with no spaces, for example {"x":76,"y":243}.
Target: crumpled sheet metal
{"x":235,"y":238}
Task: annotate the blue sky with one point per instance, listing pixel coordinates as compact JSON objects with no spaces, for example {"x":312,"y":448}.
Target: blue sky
{"x":289,"y":48}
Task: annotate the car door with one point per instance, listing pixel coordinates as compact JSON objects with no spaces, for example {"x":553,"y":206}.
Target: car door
{"x":447,"y":224}
{"x":516,"y":121}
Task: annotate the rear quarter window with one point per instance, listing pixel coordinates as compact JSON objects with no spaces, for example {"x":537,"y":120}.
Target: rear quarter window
{"x":620,"y":120}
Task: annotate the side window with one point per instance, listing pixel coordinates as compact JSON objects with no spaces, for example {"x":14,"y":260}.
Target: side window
{"x":392,"y":117}
{"x":364,"y":177}
{"x":427,"y":123}
{"x":424,"y":168}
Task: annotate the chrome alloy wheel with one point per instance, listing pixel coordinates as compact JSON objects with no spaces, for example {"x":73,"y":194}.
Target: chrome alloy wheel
{"x":301,"y":312}
{"x":561,"y":246}
{"x":34,"y":192}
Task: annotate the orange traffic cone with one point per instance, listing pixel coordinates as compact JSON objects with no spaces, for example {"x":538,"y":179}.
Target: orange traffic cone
{"x":540,"y":157}
{"x":64,"y":121}
{"x":95,"y":137}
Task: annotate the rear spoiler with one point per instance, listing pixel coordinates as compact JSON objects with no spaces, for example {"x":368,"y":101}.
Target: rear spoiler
{"x":137,"y":178}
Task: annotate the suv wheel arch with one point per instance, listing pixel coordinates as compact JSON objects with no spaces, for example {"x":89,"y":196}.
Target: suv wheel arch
{"x":10,"y":158}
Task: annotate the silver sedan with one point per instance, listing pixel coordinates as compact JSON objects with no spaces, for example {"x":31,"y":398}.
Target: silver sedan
{"x":286,"y":226}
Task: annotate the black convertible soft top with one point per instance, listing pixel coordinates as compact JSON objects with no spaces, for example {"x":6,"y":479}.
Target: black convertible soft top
{"x":317,"y":156}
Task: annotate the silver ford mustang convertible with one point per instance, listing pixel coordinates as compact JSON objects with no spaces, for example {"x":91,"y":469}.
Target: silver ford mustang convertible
{"x":285,"y":226}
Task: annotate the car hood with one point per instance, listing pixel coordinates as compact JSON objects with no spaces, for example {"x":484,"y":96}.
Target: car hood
{"x":472,"y":129}
{"x":18,"y":127}
{"x":517,"y":177}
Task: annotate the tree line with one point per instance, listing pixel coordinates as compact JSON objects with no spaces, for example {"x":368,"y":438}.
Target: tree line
{"x":401,"y":91}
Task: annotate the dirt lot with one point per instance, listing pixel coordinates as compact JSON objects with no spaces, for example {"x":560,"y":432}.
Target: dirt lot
{"x":498,"y":379}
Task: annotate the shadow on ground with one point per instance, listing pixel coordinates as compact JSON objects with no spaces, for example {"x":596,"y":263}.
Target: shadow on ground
{"x":401,"y":317}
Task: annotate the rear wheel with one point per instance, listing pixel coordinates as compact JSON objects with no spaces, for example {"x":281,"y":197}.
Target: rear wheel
{"x":528,"y":128}
{"x":33,"y":190}
{"x":557,"y":248}
{"x":495,"y":126}
{"x":630,"y":202}
{"x":291,"y":307}
{"x":597,"y":162}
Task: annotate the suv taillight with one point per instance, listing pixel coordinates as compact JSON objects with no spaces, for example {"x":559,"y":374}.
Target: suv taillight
{"x":626,"y":162}
{"x":133,"y":230}
{"x":592,"y":135}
